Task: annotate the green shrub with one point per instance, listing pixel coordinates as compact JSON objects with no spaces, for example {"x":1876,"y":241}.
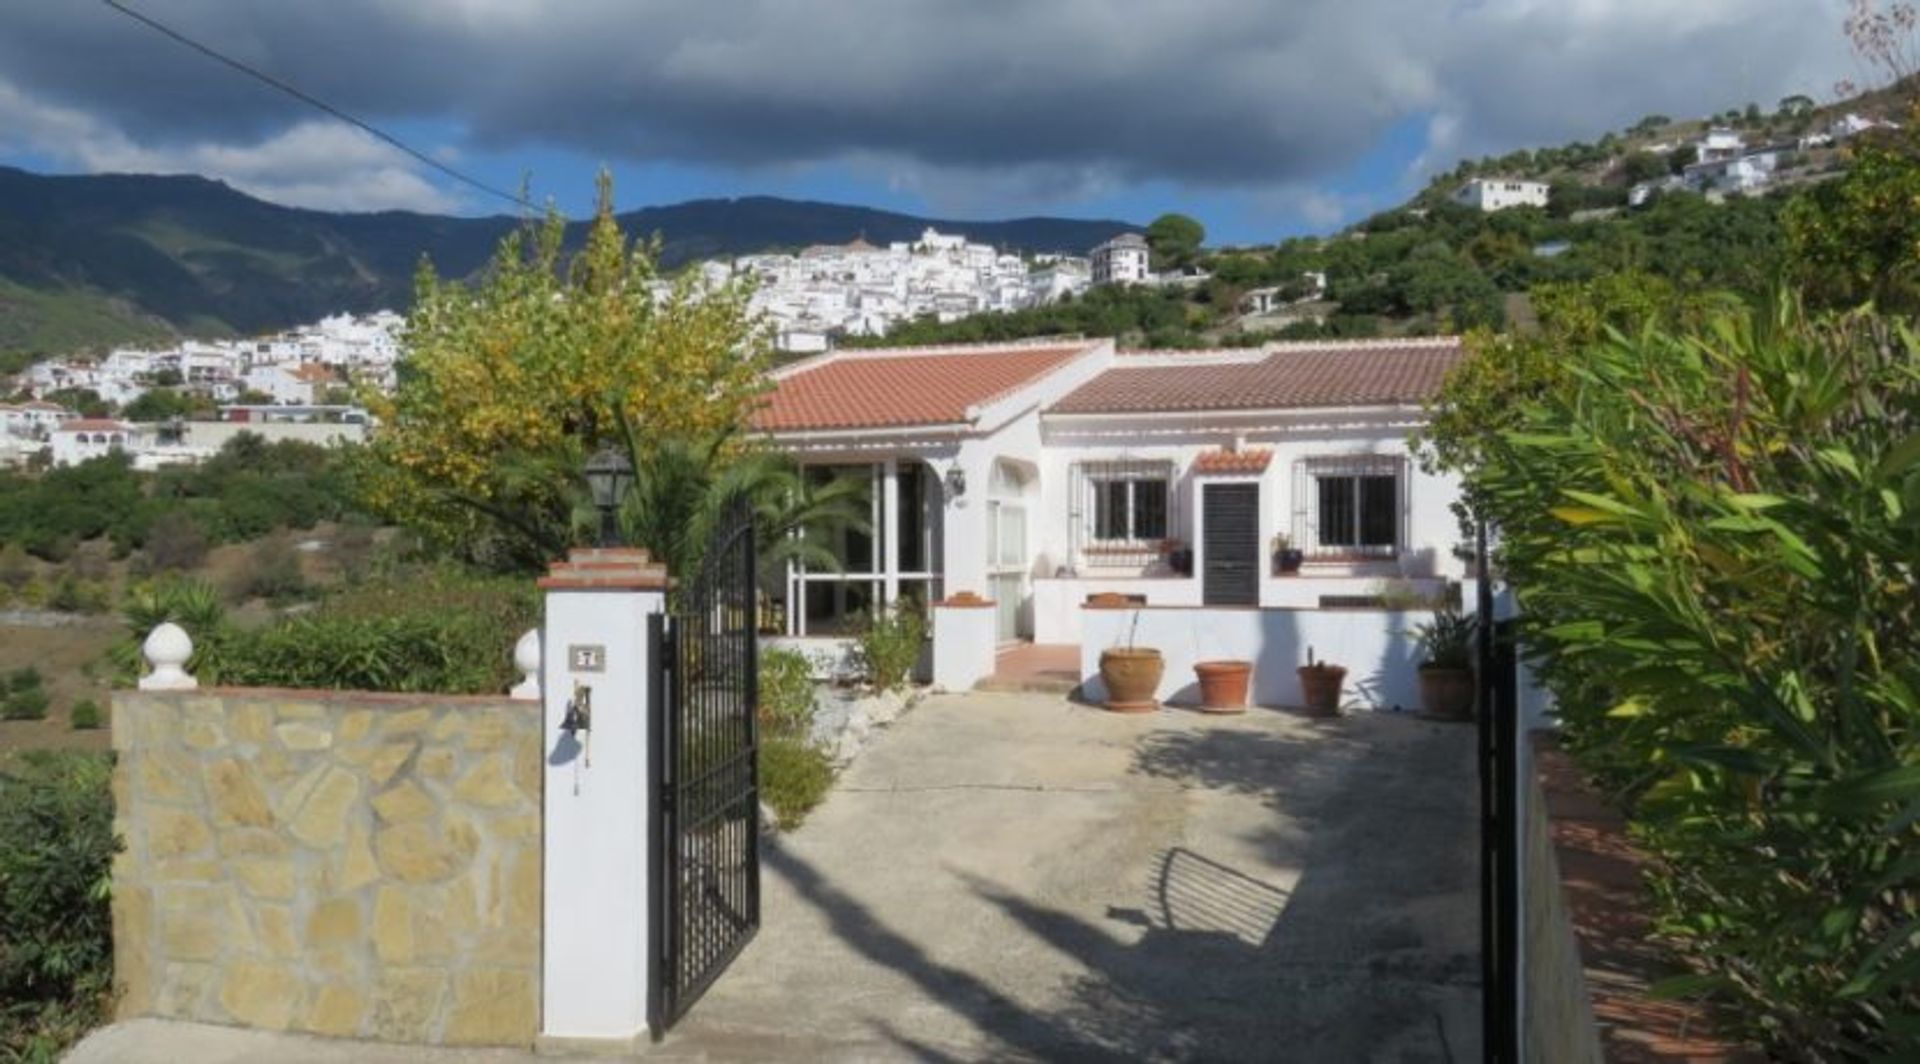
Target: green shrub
{"x":1712,"y":534}
{"x":15,"y":569}
{"x":85,"y":715}
{"x":76,"y":595}
{"x":175,"y":541}
{"x":23,"y":679}
{"x":28,"y":704}
{"x":795,"y":776}
{"x":421,"y":652}
{"x":56,"y":947}
{"x":890,"y":646}
{"x":273,"y":572}
{"x":786,"y":694}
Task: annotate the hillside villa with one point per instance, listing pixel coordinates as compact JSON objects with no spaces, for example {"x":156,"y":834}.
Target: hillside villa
{"x":1033,"y":476}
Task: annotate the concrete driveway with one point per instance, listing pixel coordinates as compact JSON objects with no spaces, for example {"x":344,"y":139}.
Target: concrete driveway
{"x":1016,"y":877}
{"x":1012,"y":877}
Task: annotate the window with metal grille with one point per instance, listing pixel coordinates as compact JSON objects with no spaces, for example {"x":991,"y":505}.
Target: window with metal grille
{"x":1350,"y":506}
{"x":1122,"y":511}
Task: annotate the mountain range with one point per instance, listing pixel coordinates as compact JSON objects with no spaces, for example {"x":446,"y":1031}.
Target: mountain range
{"x":112,"y":258}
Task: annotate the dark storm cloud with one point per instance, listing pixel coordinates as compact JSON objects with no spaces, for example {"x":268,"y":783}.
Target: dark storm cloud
{"x":1224,"y":93}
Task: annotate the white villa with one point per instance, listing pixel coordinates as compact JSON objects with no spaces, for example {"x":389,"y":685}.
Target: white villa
{"x":1033,"y":476}
{"x":85,"y":438}
{"x":1125,"y":259}
{"x":1499,"y":193}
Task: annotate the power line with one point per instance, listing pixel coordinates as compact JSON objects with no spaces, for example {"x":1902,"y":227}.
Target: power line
{"x":314,"y":101}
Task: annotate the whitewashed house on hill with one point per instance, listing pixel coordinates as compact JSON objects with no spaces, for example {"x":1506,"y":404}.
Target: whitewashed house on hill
{"x":1499,"y":193}
{"x":1039,"y":474}
{"x":1125,"y":259}
{"x":82,"y":439}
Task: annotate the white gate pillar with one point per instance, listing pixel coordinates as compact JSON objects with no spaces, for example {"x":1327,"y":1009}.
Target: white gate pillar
{"x":595,"y":953}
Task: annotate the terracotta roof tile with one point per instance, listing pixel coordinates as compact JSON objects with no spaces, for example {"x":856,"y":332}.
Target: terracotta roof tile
{"x":906,"y":386}
{"x":1362,"y":373}
{"x":1224,"y":461}
{"x":94,"y":424}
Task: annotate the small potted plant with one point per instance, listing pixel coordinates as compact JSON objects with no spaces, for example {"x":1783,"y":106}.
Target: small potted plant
{"x":1446,"y":667}
{"x":1287,"y":558}
{"x":1179,"y":556}
{"x":1320,"y":684}
{"x":1131,"y":674}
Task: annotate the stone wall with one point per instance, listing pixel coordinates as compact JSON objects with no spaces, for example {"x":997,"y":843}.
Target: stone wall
{"x":343,"y":864}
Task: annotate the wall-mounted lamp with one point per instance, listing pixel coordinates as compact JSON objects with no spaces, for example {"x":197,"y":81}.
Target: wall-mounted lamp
{"x":609,"y":475}
{"x":956,"y":481}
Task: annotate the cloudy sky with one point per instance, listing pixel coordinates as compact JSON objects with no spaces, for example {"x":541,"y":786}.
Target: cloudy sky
{"x":1260,"y":117}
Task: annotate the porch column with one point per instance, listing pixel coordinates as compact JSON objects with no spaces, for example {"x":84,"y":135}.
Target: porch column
{"x":595,"y":964}
{"x":890,"y":535}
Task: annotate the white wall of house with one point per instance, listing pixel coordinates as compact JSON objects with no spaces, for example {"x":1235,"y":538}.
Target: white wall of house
{"x":1377,"y":647}
{"x":73,"y":446}
{"x":1499,"y":193}
{"x":1429,"y":530}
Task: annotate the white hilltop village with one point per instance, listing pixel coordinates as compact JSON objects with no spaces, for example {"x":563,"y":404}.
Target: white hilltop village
{"x":297,"y":384}
{"x":829,"y":291}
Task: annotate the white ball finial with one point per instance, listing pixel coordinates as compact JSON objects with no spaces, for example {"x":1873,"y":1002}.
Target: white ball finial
{"x":526,"y":658}
{"x":167,"y":649}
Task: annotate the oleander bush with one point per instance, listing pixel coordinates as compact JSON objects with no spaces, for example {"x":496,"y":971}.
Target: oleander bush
{"x":56,"y":946}
{"x":1713,"y":530}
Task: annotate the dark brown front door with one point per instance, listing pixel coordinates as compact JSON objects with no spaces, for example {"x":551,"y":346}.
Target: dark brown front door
{"x":1230,"y":555}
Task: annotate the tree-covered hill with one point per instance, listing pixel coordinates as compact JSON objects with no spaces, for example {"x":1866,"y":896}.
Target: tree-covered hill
{"x":103,"y":259}
{"x":1431,"y":265}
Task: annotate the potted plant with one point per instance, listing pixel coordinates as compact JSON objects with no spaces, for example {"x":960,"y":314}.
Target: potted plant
{"x":1131,"y":674}
{"x":1287,"y":559}
{"x":1446,"y":667}
{"x":1223,"y":685}
{"x":1179,"y":556}
{"x":1320,"y":685}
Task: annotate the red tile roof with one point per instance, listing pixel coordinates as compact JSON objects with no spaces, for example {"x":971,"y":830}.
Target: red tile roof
{"x":93,"y":424}
{"x":905,"y":386}
{"x":1224,"y":461}
{"x":1351,"y":373}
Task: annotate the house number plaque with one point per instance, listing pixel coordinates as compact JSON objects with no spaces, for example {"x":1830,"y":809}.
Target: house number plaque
{"x":586,"y":658}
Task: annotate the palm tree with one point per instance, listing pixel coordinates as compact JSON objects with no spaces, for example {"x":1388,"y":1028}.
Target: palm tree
{"x":682,"y":488}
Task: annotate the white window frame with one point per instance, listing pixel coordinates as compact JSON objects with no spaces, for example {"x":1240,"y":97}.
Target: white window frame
{"x":1132,"y":480}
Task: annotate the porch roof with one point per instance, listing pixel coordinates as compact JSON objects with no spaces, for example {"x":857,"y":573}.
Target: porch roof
{"x":904,"y":387}
{"x":1299,"y":375}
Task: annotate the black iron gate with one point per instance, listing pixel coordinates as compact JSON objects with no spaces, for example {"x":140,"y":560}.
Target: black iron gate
{"x":706,"y":868}
{"x":1500,"y":857}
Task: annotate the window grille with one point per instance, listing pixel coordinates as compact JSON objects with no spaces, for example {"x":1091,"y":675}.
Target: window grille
{"x":1123,"y":513}
{"x":1350,"y":507}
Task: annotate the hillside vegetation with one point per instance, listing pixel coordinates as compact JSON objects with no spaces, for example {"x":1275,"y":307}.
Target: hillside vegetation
{"x":1431,"y":265}
{"x":92,"y":261}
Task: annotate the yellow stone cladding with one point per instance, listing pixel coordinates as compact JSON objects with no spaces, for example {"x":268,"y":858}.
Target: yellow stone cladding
{"x":346,"y":866}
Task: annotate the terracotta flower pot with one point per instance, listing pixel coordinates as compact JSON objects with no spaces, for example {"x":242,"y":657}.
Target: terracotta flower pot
{"x":1446,"y":693}
{"x":1289,"y":561}
{"x":1132,"y":678}
{"x":1223,"y":685}
{"x":1320,"y":688}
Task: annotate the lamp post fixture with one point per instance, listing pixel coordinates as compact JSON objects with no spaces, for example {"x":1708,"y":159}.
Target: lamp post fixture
{"x":956,"y":481}
{"x":609,"y":475}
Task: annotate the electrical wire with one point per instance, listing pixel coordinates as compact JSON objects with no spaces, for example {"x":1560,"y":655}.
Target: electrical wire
{"x":315,"y":102}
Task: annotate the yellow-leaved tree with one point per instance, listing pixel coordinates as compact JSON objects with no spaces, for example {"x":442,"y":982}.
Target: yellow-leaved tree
{"x":510,"y":381}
